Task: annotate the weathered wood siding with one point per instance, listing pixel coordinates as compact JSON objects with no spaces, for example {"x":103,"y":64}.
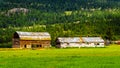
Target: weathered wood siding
{"x":34,"y":44}
{"x":31,"y":40}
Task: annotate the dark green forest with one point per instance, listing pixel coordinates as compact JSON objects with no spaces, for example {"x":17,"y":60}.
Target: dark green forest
{"x":60,"y":18}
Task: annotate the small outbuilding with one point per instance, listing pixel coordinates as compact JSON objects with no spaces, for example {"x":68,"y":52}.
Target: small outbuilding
{"x":117,"y":42}
{"x":31,"y":39}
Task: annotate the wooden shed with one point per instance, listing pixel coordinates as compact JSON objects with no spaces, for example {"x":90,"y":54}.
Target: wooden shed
{"x":117,"y":42}
{"x":31,"y":39}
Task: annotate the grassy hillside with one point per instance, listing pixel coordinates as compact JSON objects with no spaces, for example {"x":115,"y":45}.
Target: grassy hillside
{"x":61,"y":58}
{"x":60,"y":18}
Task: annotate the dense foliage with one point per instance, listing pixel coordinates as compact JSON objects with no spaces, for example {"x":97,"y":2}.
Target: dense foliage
{"x":60,"y":18}
{"x":59,"y":5}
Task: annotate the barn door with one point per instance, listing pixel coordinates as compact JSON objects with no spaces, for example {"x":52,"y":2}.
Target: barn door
{"x":27,"y":46}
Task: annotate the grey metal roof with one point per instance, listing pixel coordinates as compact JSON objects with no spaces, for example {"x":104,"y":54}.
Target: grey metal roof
{"x":69,"y":39}
{"x":33,"y":35}
{"x":92,"y":39}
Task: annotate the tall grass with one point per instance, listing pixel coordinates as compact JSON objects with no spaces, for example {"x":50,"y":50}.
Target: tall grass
{"x":108,"y":57}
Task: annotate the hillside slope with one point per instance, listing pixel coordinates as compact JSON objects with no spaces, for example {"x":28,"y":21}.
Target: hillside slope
{"x":60,"y":18}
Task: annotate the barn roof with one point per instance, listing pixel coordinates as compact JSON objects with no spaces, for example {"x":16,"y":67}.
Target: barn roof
{"x":33,"y":35}
{"x":80,"y":39}
{"x":92,"y":39}
{"x":69,"y":39}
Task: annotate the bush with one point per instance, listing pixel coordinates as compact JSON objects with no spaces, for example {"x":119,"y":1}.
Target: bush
{"x":6,"y":45}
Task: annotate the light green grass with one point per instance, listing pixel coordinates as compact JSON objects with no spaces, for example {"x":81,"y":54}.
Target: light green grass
{"x":108,"y":57}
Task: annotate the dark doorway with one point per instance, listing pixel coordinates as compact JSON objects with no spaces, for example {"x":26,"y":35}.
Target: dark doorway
{"x":36,"y":46}
{"x":33,"y":46}
{"x":40,"y":45}
{"x":25,"y":46}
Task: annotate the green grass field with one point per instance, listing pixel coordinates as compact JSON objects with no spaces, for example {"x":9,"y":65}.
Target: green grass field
{"x":108,"y":57}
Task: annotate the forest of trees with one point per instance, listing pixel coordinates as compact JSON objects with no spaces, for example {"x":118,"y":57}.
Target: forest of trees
{"x":61,"y":18}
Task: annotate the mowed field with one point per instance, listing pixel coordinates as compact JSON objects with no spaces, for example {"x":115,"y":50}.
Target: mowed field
{"x":108,"y":57}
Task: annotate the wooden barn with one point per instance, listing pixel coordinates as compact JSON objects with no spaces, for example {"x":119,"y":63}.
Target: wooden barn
{"x":63,"y":42}
{"x":117,"y":42}
{"x":31,"y":39}
{"x":92,"y":42}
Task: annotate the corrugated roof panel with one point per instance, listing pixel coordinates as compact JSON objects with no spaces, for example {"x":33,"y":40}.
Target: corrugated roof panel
{"x":34,"y":35}
{"x":92,"y":39}
{"x":69,"y":39}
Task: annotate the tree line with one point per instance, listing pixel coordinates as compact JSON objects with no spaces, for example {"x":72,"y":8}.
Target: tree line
{"x":58,"y":5}
{"x":103,"y":23}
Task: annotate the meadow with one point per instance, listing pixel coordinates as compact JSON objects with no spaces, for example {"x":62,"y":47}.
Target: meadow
{"x":108,"y":57}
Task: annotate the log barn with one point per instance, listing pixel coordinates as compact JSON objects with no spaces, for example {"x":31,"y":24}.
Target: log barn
{"x":31,"y":39}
